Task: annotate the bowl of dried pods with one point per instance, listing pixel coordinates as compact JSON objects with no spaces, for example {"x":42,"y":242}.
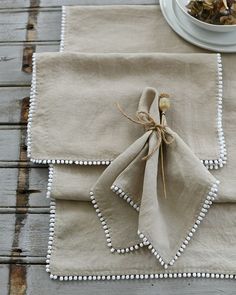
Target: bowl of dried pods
{"x":212,"y":15}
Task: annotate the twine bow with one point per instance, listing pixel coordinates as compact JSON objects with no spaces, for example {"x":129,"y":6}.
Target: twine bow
{"x":163,"y":135}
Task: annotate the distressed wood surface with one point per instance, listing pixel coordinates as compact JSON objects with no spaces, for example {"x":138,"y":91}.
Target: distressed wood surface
{"x":10,"y":178}
{"x":10,"y":101}
{"x":29,"y":26}
{"x":9,"y":143}
{"x":4,"y":4}
{"x":4,"y":274}
{"x":12,"y":61}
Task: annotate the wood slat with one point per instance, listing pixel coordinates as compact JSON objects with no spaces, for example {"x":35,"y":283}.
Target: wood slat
{"x":37,"y":187}
{"x":11,"y":59}
{"x":9,"y":143}
{"x":8,"y":186}
{"x":43,"y":24}
{"x":32,"y":235}
{"x":7,"y":226}
{"x":4,"y":274}
{"x":11,"y":100}
{"x":36,"y":191}
{"x":4,"y":4}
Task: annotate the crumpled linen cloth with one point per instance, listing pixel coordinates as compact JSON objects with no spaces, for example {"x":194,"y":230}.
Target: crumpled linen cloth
{"x":72,"y":253}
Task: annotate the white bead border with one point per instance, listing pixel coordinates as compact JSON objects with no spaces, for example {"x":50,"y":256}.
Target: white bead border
{"x":211,"y":196}
{"x":107,"y":231}
{"x":143,"y":276}
{"x":70,"y":162}
{"x":63,"y":27}
{"x":51,"y":233}
{"x":32,"y":107}
{"x":50,"y":180}
{"x":219,"y":163}
{"x":125,"y":196}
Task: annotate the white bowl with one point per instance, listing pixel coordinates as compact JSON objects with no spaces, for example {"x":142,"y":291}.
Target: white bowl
{"x":215,"y":28}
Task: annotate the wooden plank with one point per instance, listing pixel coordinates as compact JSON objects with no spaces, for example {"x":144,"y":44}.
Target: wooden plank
{"x":33,"y":237}
{"x":37,"y":187}
{"x":11,"y":58}
{"x":4,"y":4}
{"x":8,"y":186}
{"x":9,"y":143}
{"x":10,"y":100}
{"x":4,"y":272}
{"x":38,"y":283}
{"x":7,"y":225}
{"x":30,"y":25}
{"x":11,"y":63}
{"x":36,"y":191}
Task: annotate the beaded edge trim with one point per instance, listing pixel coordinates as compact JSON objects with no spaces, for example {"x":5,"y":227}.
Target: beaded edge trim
{"x":143,"y":276}
{"x":52,"y":218}
{"x":125,"y":196}
{"x":113,"y":277}
{"x":63,"y":27}
{"x":107,"y":231}
{"x":211,"y":196}
{"x":219,"y":163}
{"x":209,"y":164}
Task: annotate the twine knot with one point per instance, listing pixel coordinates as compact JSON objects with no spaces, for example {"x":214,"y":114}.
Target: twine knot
{"x":149,"y":124}
{"x":145,"y":119}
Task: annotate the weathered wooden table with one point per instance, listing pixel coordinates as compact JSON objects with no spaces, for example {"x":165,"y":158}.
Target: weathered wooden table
{"x":27,"y":26}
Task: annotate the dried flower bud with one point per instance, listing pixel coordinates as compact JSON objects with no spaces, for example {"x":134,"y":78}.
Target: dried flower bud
{"x":164,"y":102}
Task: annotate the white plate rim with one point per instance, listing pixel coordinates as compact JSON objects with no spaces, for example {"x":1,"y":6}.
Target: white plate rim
{"x":174,"y":24}
{"x":182,"y":21}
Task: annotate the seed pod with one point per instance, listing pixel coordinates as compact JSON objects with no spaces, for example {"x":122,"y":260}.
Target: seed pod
{"x":164,"y":102}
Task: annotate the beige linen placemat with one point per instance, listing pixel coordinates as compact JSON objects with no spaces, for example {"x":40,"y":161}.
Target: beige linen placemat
{"x":70,"y":256}
{"x":83,"y":90}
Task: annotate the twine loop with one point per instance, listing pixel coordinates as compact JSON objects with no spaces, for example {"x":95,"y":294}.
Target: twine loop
{"x":145,"y":119}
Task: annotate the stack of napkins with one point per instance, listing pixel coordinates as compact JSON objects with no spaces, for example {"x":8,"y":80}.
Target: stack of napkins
{"x":136,"y":192}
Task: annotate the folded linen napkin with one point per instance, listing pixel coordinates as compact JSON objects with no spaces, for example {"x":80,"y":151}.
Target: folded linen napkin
{"x":164,"y":220}
{"x":73,"y":257}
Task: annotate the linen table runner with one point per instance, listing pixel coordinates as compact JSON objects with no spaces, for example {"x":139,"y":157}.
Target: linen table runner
{"x":72,"y":252}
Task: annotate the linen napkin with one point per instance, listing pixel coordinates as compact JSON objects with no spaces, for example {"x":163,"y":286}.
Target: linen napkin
{"x":70,"y":254}
{"x":163,"y":220}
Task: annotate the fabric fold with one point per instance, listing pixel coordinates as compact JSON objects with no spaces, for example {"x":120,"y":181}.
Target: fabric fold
{"x":165,"y":223}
